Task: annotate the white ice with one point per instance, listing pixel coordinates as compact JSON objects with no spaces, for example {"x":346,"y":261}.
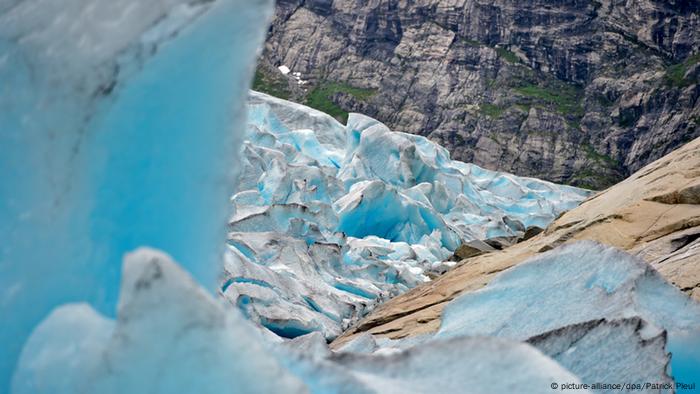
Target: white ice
{"x":119,"y":123}
{"x":603,"y":314}
{"x":284,"y":69}
{"x":171,"y":336}
{"x":330,"y":220}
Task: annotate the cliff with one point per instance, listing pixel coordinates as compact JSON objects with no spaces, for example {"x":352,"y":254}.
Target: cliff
{"x":577,"y":92}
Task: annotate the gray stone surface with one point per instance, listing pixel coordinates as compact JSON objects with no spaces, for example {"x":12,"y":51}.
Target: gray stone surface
{"x":579,"y":92}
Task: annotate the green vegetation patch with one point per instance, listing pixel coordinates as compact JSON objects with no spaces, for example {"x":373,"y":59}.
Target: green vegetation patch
{"x":592,"y":154}
{"x":566,"y":99}
{"x":472,"y":43}
{"x":270,"y":84}
{"x":321,"y":98}
{"x":523,"y":107}
{"x":507,"y":55}
{"x":491,"y":110}
{"x":675,"y":75}
{"x":574,"y":124}
{"x":591,"y":180}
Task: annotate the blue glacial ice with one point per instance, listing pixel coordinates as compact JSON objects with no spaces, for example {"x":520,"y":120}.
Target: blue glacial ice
{"x":118,"y":136}
{"x":601,"y":313}
{"x":330,"y":220}
{"x":582,"y":313}
{"x":116,"y":133}
{"x":171,"y":336}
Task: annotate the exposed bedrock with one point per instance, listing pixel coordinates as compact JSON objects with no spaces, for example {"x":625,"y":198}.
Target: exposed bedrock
{"x":578,"y":92}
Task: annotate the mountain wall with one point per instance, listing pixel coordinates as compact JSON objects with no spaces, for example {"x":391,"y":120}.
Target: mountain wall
{"x":572,"y":91}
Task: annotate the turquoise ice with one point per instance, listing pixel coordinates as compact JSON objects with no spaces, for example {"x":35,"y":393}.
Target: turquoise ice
{"x":332,"y":219}
{"x":119,"y":127}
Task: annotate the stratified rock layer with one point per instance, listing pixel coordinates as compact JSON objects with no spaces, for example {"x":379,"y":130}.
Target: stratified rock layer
{"x":579,"y":92}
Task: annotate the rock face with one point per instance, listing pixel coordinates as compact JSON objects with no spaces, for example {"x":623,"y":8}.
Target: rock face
{"x":628,"y":216}
{"x":578,"y":92}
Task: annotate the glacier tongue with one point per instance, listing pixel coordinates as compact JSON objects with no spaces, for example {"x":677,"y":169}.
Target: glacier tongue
{"x":329,"y":219}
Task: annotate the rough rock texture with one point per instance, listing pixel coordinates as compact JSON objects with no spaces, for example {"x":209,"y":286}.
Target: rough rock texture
{"x":627,"y":216}
{"x":578,"y":92}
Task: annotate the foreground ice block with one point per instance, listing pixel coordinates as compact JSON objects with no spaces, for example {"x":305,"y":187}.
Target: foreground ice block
{"x":120,"y":121}
{"x":172,"y":336}
{"x":601,"y":313}
{"x":330,"y":220}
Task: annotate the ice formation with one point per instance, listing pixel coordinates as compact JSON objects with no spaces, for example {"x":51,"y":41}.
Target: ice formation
{"x":582,"y":313}
{"x":116,"y":132}
{"x":581,"y":300}
{"x":600,"y":313}
{"x":117,"y":135}
{"x":172,"y":336}
{"x":331,"y":219}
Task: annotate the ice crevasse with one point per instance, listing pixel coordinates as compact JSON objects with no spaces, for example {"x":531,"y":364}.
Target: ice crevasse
{"x":132,"y":160}
{"x":329,"y":220}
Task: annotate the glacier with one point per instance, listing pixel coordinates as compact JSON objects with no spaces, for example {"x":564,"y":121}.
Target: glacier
{"x":120,"y":124}
{"x":172,"y":336}
{"x":331,"y":219}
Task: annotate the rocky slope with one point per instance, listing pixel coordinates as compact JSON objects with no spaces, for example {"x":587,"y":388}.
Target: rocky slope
{"x":578,"y":92}
{"x":655,"y":214}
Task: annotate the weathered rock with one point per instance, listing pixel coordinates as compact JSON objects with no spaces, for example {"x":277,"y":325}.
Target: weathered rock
{"x":532,"y":232}
{"x":625,"y":216}
{"x":466,"y":251}
{"x":579,"y":92}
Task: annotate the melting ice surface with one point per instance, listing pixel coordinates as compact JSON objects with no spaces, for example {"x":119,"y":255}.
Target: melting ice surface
{"x":331,"y":219}
{"x":171,"y":336}
{"x":600,"y":313}
{"x":118,"y":123}
{"x":523,"y":332}
{"x":576,"y":289}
